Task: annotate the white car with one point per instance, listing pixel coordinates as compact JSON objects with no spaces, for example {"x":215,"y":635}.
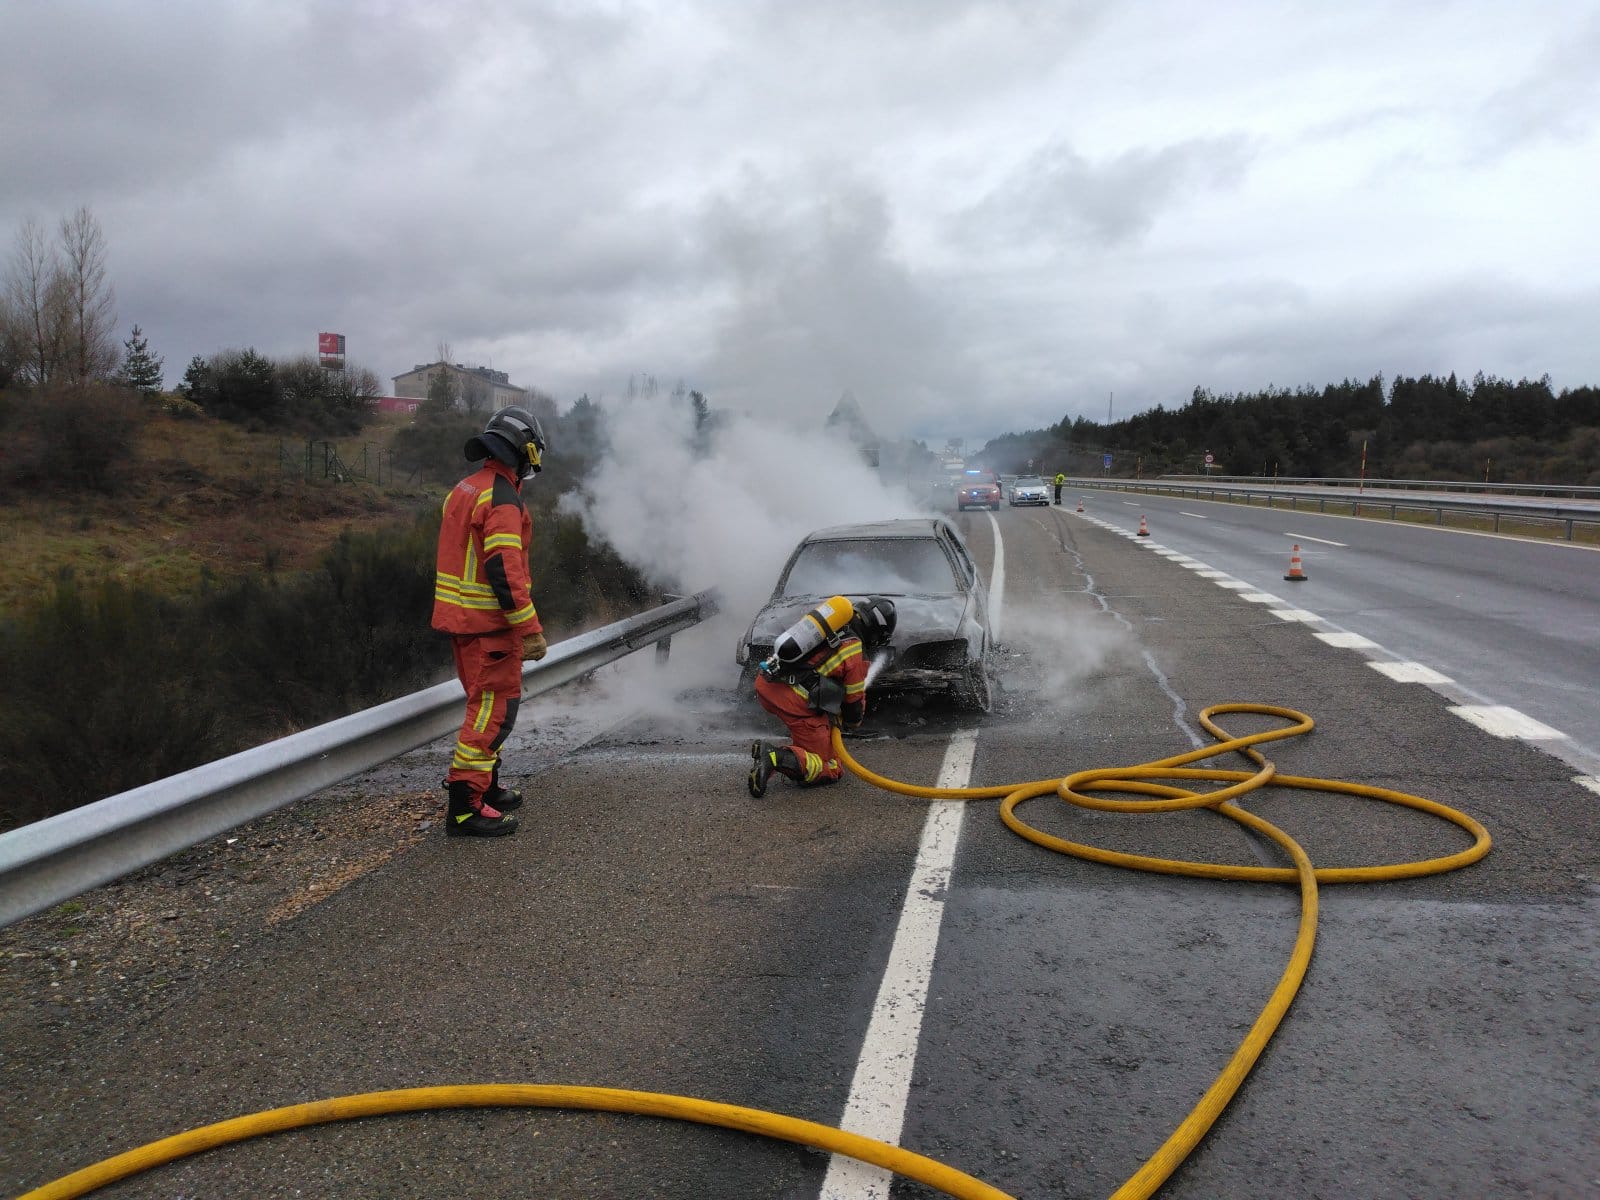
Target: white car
{"x":1029,"y":489}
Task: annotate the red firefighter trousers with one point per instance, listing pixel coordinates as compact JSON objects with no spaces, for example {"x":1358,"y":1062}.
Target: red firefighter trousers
{"x":490,"y":669}
{"x":810,"y":732}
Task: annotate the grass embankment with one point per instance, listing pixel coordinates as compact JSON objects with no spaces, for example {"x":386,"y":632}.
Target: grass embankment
{"x":204,"y":589}
{"x":199,"y":500}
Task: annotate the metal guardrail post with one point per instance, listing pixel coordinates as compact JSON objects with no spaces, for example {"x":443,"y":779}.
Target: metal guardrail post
{"x":55,"y":859}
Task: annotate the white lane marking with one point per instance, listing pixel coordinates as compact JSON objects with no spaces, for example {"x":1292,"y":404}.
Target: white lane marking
{"x":1237,"y":585}
{"x":1209,"y":573}
{"x":1293,"y":614}
{"x":1409,"y":672}
{"x":1506,"y":722}
{"x":1349,"y":641}
{"x":1196,"y":516}
{"x":1130,"y":504}
{"x":1306,"y":537}
{"x":1591,"y":782}
{"x":997,"y":581}
{"x":1260,"y":597}
{"x":882,"y":1083}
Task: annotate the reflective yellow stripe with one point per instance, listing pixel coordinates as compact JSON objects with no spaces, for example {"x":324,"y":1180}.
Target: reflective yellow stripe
{"x":813,"y":766}
{"x":453,"y":600}
{"x":855,"y":689}
{"x":485,"y":709}
{"x":502,"y":541}
{"x":525,"y":613}
{"x":468,"y":758}
{"x":459,"y":593}
{"x":844,"y":654}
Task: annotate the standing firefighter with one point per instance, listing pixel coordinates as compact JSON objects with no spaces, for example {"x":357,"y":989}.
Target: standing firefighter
{"x":817,"y":676}
{"x":481,"y":599}
{"x":1060,"y":482}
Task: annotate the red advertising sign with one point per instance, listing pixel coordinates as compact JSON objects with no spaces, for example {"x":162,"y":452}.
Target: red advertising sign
{"x":330,"y":344}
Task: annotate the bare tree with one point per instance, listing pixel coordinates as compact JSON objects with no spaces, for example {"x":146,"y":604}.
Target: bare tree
{"x":475,"y":394}
{"x":90,"y":317}
{"x":34,"y":304}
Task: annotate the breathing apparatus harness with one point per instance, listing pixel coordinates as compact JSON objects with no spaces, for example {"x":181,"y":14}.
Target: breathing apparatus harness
{"x":824,"y":625}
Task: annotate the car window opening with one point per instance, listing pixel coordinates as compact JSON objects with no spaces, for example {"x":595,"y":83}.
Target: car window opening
{"x":889,"y":567}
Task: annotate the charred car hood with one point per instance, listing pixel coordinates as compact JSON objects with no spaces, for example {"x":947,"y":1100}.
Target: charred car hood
{"x":917,"y":618}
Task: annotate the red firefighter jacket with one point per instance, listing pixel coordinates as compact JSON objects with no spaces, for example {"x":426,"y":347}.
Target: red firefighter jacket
{"x":481,"y":576}
{"x":844,"y":662}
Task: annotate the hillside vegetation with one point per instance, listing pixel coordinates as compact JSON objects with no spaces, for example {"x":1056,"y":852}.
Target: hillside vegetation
{"x":177,"y":588}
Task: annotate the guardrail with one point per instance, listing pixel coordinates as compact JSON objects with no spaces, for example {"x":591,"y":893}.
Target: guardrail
{"x":1402,"y":485}
{"x":1564,"y":517}
{"x":59,"y":857}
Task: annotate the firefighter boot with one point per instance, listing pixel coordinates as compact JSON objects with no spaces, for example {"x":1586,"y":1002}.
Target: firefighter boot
{"x":469,"y":816}
{"x":505,"y":799}
{"x":761,"y":769}
{"x":768,"y":762}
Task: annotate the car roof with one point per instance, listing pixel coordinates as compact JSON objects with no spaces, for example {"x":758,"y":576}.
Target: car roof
{"x":904,"y":527}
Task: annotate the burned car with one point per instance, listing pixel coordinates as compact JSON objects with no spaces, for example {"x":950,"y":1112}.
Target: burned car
{"x":941,"y":640}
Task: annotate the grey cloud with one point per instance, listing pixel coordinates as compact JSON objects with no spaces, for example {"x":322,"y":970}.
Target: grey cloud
{"x":1058,"y":196}
{"x":111,"y":100}
{"x":1555,"y":99}
{"x":821,"y":304}
{"x":770,"y":200}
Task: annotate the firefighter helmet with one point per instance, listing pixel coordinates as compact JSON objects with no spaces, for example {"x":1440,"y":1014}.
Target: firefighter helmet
{"x":513,"y":436}
{"x":875,"y":620}
{"x":823,"y":623}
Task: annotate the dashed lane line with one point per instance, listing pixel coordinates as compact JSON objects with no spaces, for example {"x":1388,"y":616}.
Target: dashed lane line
{"x":1495,"y":719}
{"x":1409,"y":672}
{"x":1503,"y":722}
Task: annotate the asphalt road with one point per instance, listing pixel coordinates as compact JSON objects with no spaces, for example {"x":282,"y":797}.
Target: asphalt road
{"x":1508,"y":621}
{"x":653,"y":928}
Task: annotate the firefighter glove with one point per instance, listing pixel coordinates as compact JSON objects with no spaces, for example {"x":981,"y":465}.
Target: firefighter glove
{"x":534,"y":646}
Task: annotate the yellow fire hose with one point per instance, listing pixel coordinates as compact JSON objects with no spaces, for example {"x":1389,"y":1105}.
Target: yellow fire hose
{"x":1135,"y":779}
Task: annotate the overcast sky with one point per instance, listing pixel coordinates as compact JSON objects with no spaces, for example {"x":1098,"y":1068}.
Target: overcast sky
{"x":977,"y":217}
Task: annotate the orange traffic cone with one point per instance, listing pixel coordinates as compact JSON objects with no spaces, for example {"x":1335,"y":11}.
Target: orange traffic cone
{"x":1080,"y":503}
{"x":1144,"y":530}
{"x":1295,"y":575}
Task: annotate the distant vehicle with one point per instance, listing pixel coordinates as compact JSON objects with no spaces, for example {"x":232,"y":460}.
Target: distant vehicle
{"x":1029,"y":489}
{"x":941,"y":639}
{"x":979,"y":489}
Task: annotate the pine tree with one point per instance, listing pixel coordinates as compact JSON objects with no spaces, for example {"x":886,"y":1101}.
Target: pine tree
{"x":141,"y":370}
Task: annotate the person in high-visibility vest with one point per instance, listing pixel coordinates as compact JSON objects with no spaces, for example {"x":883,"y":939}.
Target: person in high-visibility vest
{"x":482,"y":599}
{"x":1061,"y":482}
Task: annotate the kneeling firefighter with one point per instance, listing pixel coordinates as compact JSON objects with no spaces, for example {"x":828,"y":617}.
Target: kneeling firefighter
{"x":817,"y":676}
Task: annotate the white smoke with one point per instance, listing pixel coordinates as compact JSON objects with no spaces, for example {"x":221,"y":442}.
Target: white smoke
{"x":1055,"y":656}
{"x":725,"y":515}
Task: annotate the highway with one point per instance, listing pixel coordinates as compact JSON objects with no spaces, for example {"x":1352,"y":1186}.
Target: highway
{"x":1506,"y":622}
{"x":1037,"y":1021}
